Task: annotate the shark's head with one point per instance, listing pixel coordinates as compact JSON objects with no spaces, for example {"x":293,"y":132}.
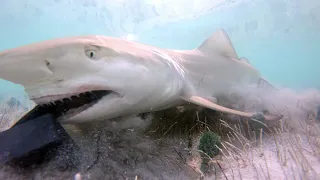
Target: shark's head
{"x":85,"y":79}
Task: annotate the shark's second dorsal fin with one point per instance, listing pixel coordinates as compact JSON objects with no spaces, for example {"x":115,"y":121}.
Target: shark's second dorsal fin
{"x":218,"y":42}
{"x":243,"y":59}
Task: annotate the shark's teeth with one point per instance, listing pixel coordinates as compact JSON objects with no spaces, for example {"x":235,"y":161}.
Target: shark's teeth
{"x":53,"y":98}
{"x":74,"y":103}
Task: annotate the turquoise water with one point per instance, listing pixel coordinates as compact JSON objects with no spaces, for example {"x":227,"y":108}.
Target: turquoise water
{"x":279,"y":37}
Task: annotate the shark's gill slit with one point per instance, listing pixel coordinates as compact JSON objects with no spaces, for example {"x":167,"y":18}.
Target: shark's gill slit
{"x":75,"y":103}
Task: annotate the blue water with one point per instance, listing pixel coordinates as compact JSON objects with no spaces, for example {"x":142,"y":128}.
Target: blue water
{"x":279,"y":37}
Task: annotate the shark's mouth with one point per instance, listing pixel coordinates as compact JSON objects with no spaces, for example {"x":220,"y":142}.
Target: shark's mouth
{"x":70,"y":106}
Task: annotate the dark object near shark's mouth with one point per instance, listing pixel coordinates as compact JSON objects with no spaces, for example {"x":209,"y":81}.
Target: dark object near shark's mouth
{"x":74,"y":104}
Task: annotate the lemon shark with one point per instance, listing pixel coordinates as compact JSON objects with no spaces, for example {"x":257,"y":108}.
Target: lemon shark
{"x":94,"y":77}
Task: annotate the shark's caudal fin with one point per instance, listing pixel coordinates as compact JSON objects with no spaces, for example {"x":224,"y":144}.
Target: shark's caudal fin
{"x":211,"y":105}
{"x":219,"y":42}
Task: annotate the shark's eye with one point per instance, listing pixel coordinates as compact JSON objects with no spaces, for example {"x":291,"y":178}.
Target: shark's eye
{"x":91,"y":54}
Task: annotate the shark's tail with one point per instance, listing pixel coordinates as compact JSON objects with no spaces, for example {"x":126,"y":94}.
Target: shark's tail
{"x":214,"y":69}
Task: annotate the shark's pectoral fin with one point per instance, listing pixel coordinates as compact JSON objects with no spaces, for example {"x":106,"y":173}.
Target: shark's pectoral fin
{"x":211,"y":105}
{"x":263,"y":116}
{"x":212,"y":99}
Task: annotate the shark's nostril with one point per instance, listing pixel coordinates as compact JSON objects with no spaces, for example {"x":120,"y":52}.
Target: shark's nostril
{"x":47,"y":62}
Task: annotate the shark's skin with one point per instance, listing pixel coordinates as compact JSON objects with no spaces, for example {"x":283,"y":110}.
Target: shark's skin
{"x":142,"y":78}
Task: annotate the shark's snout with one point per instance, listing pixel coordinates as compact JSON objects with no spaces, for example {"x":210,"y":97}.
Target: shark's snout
{"x":19,"y":72}
{"x":33,"y":63}
{"x":24,"y":65}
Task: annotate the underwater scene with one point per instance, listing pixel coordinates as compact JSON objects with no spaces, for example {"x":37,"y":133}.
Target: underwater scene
{"x":160,"y":89}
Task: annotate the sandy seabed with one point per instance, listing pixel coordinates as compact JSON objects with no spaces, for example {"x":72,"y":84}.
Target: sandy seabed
{"x":159,"y":148}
